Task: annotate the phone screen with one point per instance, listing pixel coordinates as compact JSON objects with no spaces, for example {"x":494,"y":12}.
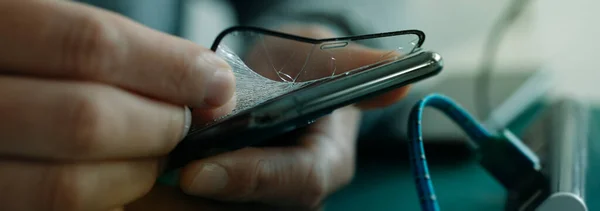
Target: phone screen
{"x":285,"y":82}
{"x":267,"y":65}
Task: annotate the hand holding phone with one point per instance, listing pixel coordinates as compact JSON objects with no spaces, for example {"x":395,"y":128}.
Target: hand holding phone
{"x":281,"y":90}
{"x":324,"y":147}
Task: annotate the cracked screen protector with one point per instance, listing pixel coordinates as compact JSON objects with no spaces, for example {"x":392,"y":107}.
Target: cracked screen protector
{"x":269,"y":64}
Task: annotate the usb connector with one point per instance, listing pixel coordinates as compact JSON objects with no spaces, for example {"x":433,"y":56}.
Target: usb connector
{"x":517,"y":168}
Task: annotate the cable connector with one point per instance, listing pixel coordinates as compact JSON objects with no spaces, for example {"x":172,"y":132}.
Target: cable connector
{"x":517,"y":168}
{"x":503,"y":155}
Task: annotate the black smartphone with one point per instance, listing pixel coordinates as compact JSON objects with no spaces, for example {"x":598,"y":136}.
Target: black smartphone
{"x":298,"y":96}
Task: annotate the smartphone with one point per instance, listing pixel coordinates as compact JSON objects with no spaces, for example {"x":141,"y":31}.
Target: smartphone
{"x":303,"y":106}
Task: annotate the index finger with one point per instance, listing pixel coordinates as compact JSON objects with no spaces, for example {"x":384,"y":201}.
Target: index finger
{"x":70,"y":40}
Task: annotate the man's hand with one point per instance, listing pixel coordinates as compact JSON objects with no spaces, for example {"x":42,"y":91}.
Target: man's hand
{"x":90,"y":102}
{"x":291,"y":176}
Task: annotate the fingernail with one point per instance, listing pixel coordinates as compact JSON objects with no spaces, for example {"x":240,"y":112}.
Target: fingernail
{"x":187,"y":121}
{"x":216,"y":81}
{"x":211,"y":179}
{"x":215,"y":61}
{"x":220,"y":88}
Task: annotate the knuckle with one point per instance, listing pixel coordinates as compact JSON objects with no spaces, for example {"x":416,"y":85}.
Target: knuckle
{"x":343,"y":165}
{"x":327,"y":173}
{"x":64,"y":191}
{"x":91,"y":48}
{"x":347,"y":174}
{"x":248,"y":186}
{"x":316,"y":186}
{"x":346,"y":177}
{"x":85,"y":121}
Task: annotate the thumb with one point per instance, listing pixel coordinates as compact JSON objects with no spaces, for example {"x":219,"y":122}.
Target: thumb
{"x":277,"y":176}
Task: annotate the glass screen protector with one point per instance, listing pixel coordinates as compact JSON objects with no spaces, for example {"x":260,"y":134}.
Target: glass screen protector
{"x":268,"y":64}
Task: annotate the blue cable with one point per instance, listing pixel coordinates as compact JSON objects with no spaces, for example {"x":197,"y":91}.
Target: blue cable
{"x":470,"y":126}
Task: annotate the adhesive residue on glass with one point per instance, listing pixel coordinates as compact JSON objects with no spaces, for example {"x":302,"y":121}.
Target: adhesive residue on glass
{"x":285,"y":72}
{"x":253,"y":89}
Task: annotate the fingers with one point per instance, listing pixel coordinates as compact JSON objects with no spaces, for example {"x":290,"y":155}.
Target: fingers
{"x":295,"y":176}
{"x":71,"y":120}
{"x":66,"y":187}
{"x":66,"y":39}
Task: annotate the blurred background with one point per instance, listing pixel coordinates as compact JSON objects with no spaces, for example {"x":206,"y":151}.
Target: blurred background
{"x":554,"y":38}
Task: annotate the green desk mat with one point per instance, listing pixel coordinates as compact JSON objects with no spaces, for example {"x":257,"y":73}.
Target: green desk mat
{"x":464,"y":185}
